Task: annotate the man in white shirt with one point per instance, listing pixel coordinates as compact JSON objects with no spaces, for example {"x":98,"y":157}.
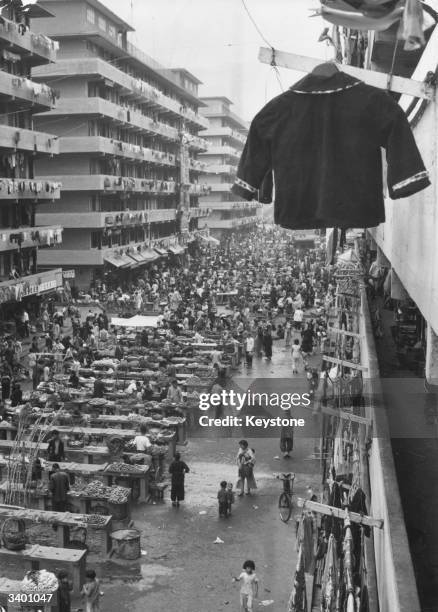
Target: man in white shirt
{"x":298,"y":319}
{"x":142,"y":442}
{"x":249,"y":349}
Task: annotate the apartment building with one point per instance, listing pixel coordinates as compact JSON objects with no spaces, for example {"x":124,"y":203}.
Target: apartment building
{"x":128,"y":140}
{"x":21,"y":146}
{"x":226,"y":136}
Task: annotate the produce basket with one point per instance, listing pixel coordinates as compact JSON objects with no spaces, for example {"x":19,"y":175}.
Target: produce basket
{"x":13,"y":534}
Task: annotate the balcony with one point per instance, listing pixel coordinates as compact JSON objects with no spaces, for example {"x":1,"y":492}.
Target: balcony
{"x":34,"y":284}
{"x":115,"y":112}
{"x":197,"y":165}
{"x":197,"y":213}
{"x":109,"y":146}
{"x":196,"y":189}
{"x":223,"y":150}
{"x":26,"y":237}
{"x":224,"y":132}
{"x":195,"y":143}
{"x":220,"y":187}
{"x":129,"y":87}
{"x":239,"y":205}
{"x":98,"y":220}
{"x":27,"y":140}
{"x":37,"y":47}
{"x":114,"y":184}
{"x":231,"y":223}
{"x":26,"y":92}
{"x":221,"y":169}
{"x":222,"y":111}
{"x":30,"y":189}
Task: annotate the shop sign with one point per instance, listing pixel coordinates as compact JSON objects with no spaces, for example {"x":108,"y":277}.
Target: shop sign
{"x":68,"y":274}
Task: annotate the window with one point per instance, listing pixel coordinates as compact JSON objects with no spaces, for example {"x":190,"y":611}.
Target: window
{"x":91,"y":15}
{"x":112,"y":31}
{"x":102,"y":23}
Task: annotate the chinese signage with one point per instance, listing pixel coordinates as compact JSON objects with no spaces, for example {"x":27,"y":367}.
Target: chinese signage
{"x":15,"y":291}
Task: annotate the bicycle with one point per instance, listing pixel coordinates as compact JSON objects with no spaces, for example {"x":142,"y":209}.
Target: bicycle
{"x":285,"y":499}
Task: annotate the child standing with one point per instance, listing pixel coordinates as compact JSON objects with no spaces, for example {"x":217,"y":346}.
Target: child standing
{"x":222,"y":498}
{"x":249,"y":586}
{"x":230,"y":497}
{"x":91,"y":592}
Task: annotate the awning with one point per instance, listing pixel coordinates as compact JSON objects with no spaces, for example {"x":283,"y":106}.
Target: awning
{"x":137,"y":257}
{"x":176,"y":250}
{"x":115,"y":260}
{"x":136,"y":321}
{"x":149,"y":255}
{"x":161,"y":252}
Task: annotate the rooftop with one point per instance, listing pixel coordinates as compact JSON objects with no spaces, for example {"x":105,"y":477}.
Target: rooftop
{"x":101,"y":8}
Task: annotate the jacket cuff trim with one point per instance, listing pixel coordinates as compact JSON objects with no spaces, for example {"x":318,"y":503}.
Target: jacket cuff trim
{"x":413,"y":179}
{"x":245,"y":185}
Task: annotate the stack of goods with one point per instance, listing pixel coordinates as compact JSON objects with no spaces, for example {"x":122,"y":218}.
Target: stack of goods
{"x":40,"y":580}
{"x":126,"y":468}
{"x":97,"y":490}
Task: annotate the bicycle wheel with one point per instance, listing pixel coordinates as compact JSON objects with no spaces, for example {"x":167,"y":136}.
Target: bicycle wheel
{"x":285,"y":507}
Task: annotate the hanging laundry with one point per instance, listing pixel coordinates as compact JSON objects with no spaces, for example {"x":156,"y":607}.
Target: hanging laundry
{"x":324,"y":174}
{"x":366,"y":15}
{"x":411,"y":27}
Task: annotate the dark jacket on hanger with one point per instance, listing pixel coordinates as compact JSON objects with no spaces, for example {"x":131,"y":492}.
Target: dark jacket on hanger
{"x":322,"y":139}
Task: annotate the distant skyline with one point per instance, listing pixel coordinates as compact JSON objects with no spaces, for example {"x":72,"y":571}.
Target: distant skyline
{"x":216,"y":41}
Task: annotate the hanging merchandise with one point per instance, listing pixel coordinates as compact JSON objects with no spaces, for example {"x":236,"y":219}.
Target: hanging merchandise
{"x":411,"y":27}
{"x":326,"y":175}
{"x":330,"y":577}
{"x":362,"y":14}
{"x":298,"y":601}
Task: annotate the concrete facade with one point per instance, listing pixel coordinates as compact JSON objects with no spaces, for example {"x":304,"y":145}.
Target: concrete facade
{"x":126,"y":126}
{"x":226,"y":137}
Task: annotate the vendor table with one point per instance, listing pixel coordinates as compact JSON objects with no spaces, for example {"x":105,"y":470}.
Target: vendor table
{"x":64,"y":520}
{"x":109,"y":477}
{"x":92,"y":431}
{"x":89,"y":454}
{"x":11,"y":430}
{"x":8,"y":445}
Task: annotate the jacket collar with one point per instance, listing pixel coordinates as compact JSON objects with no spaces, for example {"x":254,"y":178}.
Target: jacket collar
{"x":313,"y":84}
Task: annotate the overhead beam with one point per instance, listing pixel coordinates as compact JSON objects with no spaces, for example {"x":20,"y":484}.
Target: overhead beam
{"x":344,"y":332}
{"x":346,"y":364}
{"x":340,"y":513}
{"x":303,"y":63}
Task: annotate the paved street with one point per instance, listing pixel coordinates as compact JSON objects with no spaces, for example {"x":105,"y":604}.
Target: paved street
{"x":166,"y":577}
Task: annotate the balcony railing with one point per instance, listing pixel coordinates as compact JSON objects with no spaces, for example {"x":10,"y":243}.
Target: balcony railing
{"x":26,"y":91}
{"x":25,"y":237}
{"x":100,"y":144}
{"x":197,"y":213}
{"x":239,"y":205}
{"x":30,"y":189}
{"x":114,"y":184}
{"x":221,"y":169}
{"x":196,"y":164}
{"x":27,"y":140}
{"x":223,"y":132}
{"x":33,"y":284}
{"x":116,"y":112}
{"x":40,"y":47}
{"x":231,"y":223}
{"x":222,"y":150}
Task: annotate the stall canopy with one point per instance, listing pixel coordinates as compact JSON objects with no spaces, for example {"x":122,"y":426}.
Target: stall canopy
{"x":161,"y":252}
{"x":137,"y":257}
{"x":210,"y":239}
{"x":149,"y":255}
{"x":136,"y":321}
{"x":119,"y":261}
{"x":176,"y":250}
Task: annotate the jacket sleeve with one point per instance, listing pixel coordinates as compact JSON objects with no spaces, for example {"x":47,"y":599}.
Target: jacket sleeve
{"x":254,"y":165}
{"x":406,"y":171}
